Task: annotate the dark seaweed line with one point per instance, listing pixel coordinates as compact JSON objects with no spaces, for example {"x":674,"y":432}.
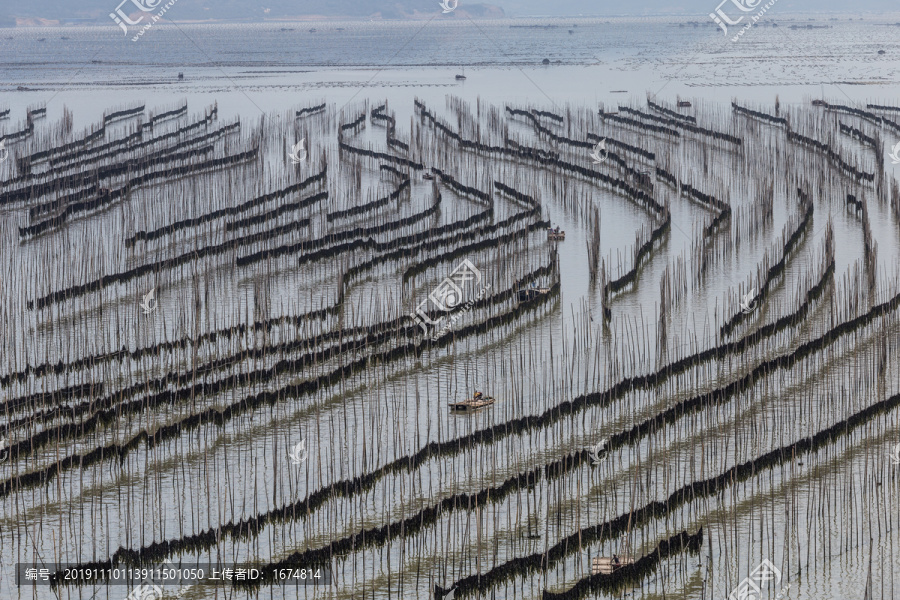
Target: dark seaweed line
{"x":276,"y":212}
{"x":73,"y":150}
{"x":545,"y":156}
{"x":645,"y":249}
{"x":373,"y":537}
{"x":858,"y":134}
{"x":671,"y":113}
{"x":794,"y":136}
{"x":426,"y":241}
{"x":105,"y":172}
{"x":290,"y":346}
{"x":377,"y":536}
{"x":267,"y":325}
{"x":723,"y":207}
{"x":76,"y":157}
{"x":631,"y":574}
{"x":311,"y":110}
{"x":759,"y":115}
{"x":246,"y":527}
{"x":639,"y":124}
{"x":95,"y":175}
{"x":360,"y":483}
{"x":633,"y":149}
{"x":667,"y":177}
{"x":369,"y":206}
{"x":833,"y":156}
{"x":658,"y":509}
{"x":230,"y":211}
{"x":78,"y":202}
{"x":360,"y":120}
{"x":481,"y":244}
{"x":168,"y":263}
{"x":613,"y":182}
{"x":518,"y":196}
{"x":220,"y":417}
{"x":718,"y":135}
{"x":332,"y":238}
{"x":52,"y":397}
{"x":876,"y":119}
{"x":501,"y":430}
{"x":577,"y":143}
{"x":379,"y":115}
{"x":461,"y":188}
{"x":107,"y":409}
{"x":120,"y":114}
{"x":879,"y":107}
{"x":381,"y":155}
{"x":138,"y":181}
{"x":533,"y":151}
{"x":175,"y":112}
{"x":777,"y":269}
{"x":24,"y":133}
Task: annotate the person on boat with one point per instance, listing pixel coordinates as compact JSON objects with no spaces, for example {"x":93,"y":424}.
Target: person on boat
{"x":615,"y":560}
{"x":477,"y":395}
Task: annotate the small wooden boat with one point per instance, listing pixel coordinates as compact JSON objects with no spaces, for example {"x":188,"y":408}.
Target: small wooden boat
{"x":555,"y":234}
{"x":684,"y":104}
{"x":460,"y":77}
{"x":476,"y":402}
{"x":531,"y":293}
{"x":428,"y":176}
{"x":608,"y":564}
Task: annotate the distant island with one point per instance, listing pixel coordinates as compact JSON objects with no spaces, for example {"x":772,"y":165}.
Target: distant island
{"x":88,"y":12}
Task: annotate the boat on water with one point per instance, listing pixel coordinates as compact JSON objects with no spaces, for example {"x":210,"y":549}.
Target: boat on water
{"x":555,"y":233}
{"x":531,"y":293}
{"x":608,"y":564}
{"x":476,"y":402}
{"x":461,"y":76}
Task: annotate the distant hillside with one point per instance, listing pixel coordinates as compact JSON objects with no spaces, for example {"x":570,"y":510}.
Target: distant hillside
{"x":253,"y":10}
{"x":256,"y":10}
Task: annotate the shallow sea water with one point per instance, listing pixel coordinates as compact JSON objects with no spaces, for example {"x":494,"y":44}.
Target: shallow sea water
{"x":252,"y":70}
